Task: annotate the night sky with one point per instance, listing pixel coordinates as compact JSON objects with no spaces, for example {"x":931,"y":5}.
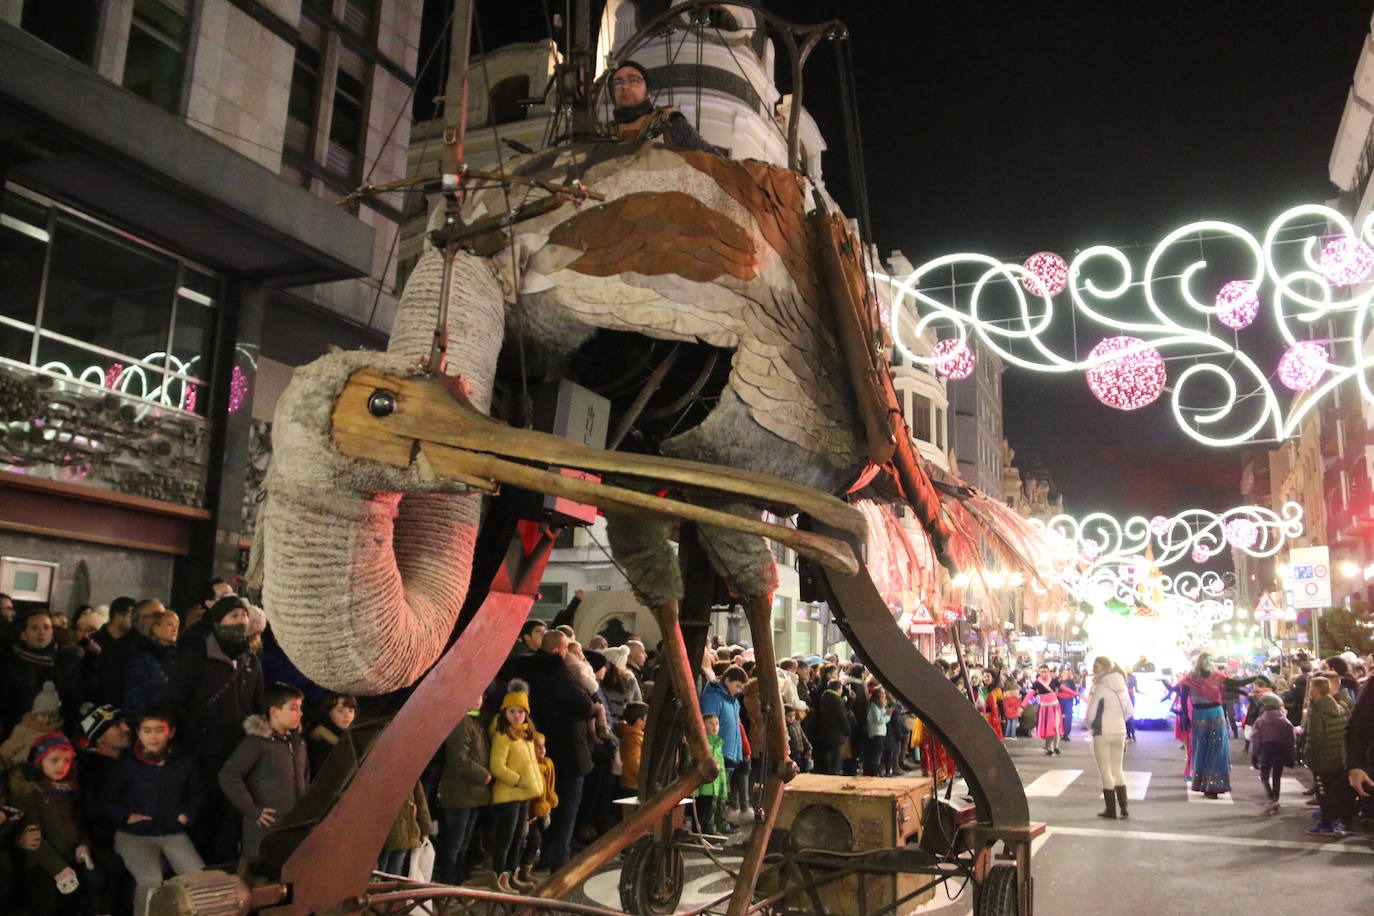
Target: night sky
{"x":1013,"y":128}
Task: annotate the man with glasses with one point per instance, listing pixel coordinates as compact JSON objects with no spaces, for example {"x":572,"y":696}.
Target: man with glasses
{"x":636,"y":118}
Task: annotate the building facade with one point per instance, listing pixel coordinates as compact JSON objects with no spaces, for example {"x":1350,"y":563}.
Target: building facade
{"x":170,"y":247}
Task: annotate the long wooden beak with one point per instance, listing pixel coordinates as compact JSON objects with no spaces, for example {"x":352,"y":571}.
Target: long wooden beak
{"x":403,"y":421}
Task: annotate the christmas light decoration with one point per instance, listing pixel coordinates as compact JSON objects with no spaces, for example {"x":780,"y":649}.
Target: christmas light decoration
{"x":146,"y":381}
{"x":1219,"y":393}
{"x":1302,"y":365}
{"x":1158,"y":525}
{"x":1046,"y":274}
{"x":953,"y":358}
{"x":1125,"y":372}
{"x":1237,"y":304}
{"x":1242,"y":533}
{"x":1201,"y":554}
{"x":1346,"y":261}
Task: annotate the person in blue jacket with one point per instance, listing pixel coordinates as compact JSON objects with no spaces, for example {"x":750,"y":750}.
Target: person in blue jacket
{"x":720,"y":698}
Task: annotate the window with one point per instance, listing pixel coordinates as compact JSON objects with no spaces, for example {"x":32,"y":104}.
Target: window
{"x":920,"y":417}
{"x":69,"y":26}
{"x":359,"y":15}
{"x":346,"y":126}
{"x":23,"y":244}
{"x":506,"y":97}
{"x":302,"y":106}
{"x":157,"y":52}
{"x":102,"y":307}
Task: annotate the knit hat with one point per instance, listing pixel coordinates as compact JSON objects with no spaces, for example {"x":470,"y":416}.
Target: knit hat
{"x":44,"y":745}
{"x":635,"y":65}
{"x":222,"y":607}
{"x":517,"y":695}
{"x":47,"y":702}
{"x":1271,"y":701}
{"x":97,"y":721}
{"x":257,"y":619}
{"x":617,"y":655}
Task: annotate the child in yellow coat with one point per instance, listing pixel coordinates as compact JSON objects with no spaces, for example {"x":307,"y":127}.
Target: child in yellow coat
{"x":540,"y":809}
{"x":516,"y":780}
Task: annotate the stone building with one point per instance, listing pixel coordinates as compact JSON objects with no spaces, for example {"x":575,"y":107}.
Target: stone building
{"x":170,"y":246}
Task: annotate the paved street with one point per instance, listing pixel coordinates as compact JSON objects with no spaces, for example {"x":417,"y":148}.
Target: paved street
{"x":1178,"y":852}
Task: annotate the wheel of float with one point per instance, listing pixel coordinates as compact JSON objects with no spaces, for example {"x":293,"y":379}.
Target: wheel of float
{"x":995,"y":895}
{"x":651,"y":879}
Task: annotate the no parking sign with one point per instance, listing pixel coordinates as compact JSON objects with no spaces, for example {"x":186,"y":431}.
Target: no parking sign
{"x":1310,"y":576}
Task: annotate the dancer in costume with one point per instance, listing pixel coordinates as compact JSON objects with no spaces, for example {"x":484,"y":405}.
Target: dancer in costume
{"x":1211,"y":748}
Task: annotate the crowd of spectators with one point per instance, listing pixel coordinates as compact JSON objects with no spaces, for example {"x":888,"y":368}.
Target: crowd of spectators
{"x":137,"y":743}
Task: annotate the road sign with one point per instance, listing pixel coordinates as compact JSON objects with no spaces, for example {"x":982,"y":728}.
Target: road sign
{"x":1310,"y":576}
{"x":1268,"y":608}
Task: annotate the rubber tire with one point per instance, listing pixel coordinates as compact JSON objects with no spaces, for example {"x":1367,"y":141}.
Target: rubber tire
{"x":645,"y":867}
{"x":996,"y":895}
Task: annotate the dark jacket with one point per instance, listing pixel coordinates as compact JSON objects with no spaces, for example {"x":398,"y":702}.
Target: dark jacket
{"x":466,"y":781}
{"x":162,"y":791}
{"x":57,"y":814}
{"x":1273,"y":740}
{"x":95,"y":771}
{"x":113,"y":664}
{"x":1326,"y":727}
{"x":319,"y":744}
{"x":22,"y":676}
{"x":1359,"y":735}
{"x":266,"y":770}
{"x":213,"y":693}
{"x":149,"y":674}
{"x":831,"y":725}
{"x":560,"y":709}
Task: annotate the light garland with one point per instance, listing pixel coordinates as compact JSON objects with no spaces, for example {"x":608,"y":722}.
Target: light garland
{"x":1125,"y":373}
{"x":171,"y":391}
{"x":1297,"y":279}
{"x":1105,"y":540}
{"x":954,"y":358}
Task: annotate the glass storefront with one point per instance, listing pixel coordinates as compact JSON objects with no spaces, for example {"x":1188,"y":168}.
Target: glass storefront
{"x":80,"y":300}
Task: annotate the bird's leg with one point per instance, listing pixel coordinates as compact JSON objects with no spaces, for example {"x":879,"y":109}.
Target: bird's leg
{"x":779,"y":768}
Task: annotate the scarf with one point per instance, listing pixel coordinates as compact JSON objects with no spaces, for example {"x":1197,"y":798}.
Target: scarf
{"x":634,"y":112}
{"x":43,"y":658}
{"x":143,"y":755}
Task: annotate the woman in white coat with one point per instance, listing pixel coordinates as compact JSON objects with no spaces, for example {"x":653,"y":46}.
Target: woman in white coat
{"x":1109,"y":709}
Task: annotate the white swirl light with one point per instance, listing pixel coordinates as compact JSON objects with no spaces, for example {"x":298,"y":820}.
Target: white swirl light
{"x":1299,"y":273}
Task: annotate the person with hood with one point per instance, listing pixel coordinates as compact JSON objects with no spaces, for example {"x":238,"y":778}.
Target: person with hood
{"x":153,"y":795}
{"x":269,"y":771}
{"x":215,"y":685}
{"x":464,"y":790}
{"x":1109,"y":709}
{"x":1275,"y":746}
{"x":1211,"y":748}
{"x":637,"y":118}
{"x":43,"y":718}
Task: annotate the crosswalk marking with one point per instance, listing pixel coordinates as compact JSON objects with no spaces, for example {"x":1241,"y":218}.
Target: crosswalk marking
{"x":1137,"y":783}
{"x":1051,"y":783}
